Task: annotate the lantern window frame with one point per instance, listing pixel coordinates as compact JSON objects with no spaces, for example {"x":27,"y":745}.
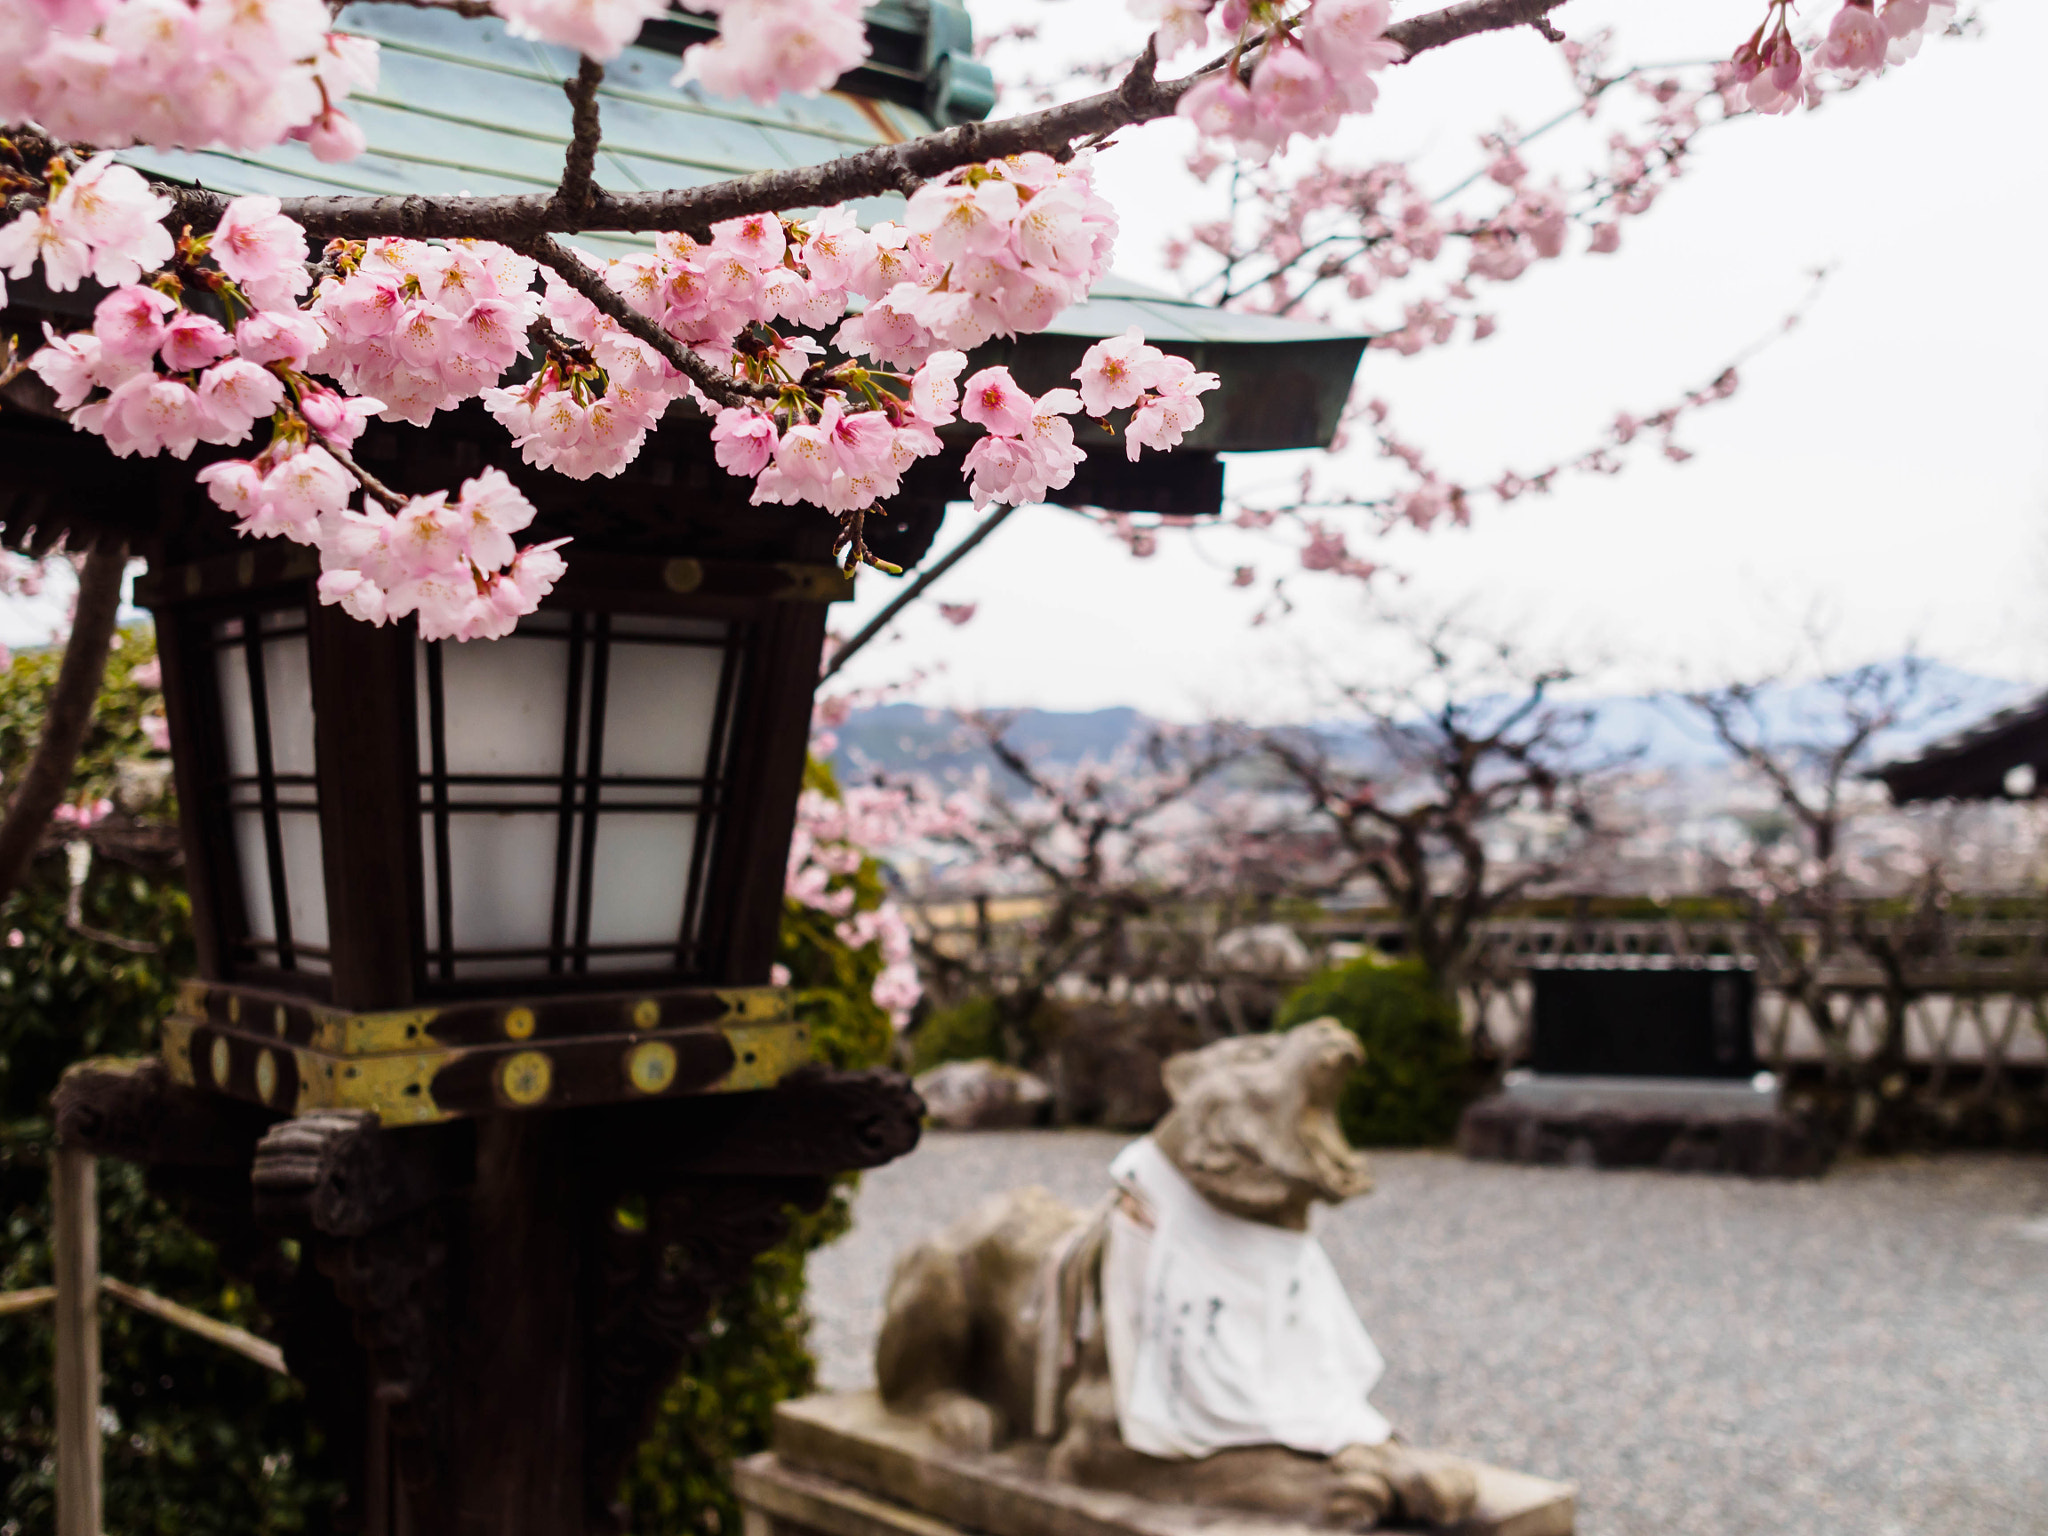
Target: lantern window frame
{"x":374,"y":800}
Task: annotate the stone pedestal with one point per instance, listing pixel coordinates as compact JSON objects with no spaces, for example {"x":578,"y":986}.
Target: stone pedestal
{"x":1682,"y":1125}
{"x":845,"y":1466}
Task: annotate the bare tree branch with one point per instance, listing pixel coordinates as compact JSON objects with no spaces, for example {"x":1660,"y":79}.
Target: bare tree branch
{"x":68,"y":716}
{"x":1139,"y":98}
{"x":475,"y":10}
{"x":916,"y":589}
{"x":578,"y":191}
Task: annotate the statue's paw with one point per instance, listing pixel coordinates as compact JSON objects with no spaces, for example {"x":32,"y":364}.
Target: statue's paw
{"x":1360,"y":1495}
{"x":1430,"y":1486}
{"x":964,"y":1423}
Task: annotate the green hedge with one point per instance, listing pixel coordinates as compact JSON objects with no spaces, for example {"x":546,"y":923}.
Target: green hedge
{"x":1414,"y":1081}
{"x":202,"y":1442}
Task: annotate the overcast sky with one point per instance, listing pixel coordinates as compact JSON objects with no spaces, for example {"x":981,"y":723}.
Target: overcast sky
{"x":1883,"y":471}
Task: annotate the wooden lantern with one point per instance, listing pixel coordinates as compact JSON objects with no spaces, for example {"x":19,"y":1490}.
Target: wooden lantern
{"x":433,"y":878}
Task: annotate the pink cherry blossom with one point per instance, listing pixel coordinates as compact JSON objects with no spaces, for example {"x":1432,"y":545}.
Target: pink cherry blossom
{"x":600,"y":28}
{"x":1293,"y":93}
{"x":1181,"y":23}
{"x":192,"y":341}
{"x":236,"y":486}
{"x":34,"y":236}
{"x":934,"y":392}
{"x":241,"y":75}
{"x":992,"y":399}
{"x":1856,"y":42}
{"x":767,"y":47}
{"x":235,"y":395}
{"x":743,"y":441}
{"x":115,"y":212}
{"x":262,"y":250}
{"x":287,"y":336}
{"x":965,"y":217}
{"x":67,"y":364}
{"x":1115,"y":372}
{"x":130,"y":323}
{"x":1220,"y":107}
{"x":334,"y":137}
{"x":1347,"y":36}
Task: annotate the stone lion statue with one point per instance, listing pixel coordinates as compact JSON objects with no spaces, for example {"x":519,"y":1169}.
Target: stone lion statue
{"x":1188,"y":1340}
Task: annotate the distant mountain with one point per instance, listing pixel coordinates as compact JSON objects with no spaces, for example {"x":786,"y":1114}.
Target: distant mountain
{"x":1669,"y":733}
{"x":911,"y":738}
{"x":1662,"y":728}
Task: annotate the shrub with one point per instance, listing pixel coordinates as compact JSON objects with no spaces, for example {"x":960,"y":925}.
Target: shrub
{"x":200,"y":1442}
{"x":970,"y":1030}
{"x":1412,"y":1085}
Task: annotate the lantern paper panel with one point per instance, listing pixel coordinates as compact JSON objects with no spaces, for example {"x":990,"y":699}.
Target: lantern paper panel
{"x":261,"y":668}
{"x":570,"y":778}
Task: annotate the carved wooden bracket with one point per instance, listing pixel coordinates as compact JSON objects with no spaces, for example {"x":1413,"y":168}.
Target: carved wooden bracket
{"x":460,"y":1282}
{"x":341,"y":1173}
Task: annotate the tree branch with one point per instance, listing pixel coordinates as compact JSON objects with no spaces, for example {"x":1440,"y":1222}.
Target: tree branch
{"x":513,"y":219}
{"x":915,"y":590}
{"x":67,"y":716}
{"x":578,"y":191}
{"x":565,"y":264}
{"x":475,"y":10}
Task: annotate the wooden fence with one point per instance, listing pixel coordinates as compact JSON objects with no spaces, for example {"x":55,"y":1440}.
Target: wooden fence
{"x":75,"y":1246}
{"x":1977,"y":1014}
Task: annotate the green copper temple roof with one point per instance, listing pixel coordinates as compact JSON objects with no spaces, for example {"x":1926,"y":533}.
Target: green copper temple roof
{"x":463,"y":106}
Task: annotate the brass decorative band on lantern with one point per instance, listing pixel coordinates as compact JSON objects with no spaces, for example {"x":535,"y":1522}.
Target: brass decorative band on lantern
{"x":421,"y":1065}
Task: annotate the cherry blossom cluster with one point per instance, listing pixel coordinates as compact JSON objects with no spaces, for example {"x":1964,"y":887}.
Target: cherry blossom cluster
{"x":455,"y":565}
{"x":590,"y":406}
{"x":155,"y":375}
{"x":835,"y":454}
{"x":423,"y":327}
{"x":1030,"y":448}
{"x":1313,"y":69}
{"x":172,"y":377}
{"x":767,"y":47}
{"x":406,"y":328}
{"x":1771,"y":74}
{"x":101,"y":221}
{"x":1161,"y":391}
{"x":833,"y":838}
{"x":763,"y":47}
{"x":1317,"y":239}
{"x":242,"y":74}
{"x":992,"y":250}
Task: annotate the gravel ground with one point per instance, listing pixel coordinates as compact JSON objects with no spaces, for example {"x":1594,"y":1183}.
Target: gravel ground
{"x":1862,"y":1355}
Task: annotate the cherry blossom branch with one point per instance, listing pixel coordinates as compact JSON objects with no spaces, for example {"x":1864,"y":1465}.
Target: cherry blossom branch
{"x":1139,"y":98}
{"x":474,"y":10}
{"x":565,"y":264}
{"x":68,"y":714}
{"x":914,"y":591}
{"x":391,"y":500}
{"x":578,"y":191}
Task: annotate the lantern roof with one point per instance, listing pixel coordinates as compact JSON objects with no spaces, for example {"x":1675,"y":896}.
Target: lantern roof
{"x":463,"y":106}
{"x":2001,"y":757}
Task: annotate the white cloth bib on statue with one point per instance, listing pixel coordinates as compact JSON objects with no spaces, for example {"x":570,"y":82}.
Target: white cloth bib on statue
{"x":1223,"y":1331}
